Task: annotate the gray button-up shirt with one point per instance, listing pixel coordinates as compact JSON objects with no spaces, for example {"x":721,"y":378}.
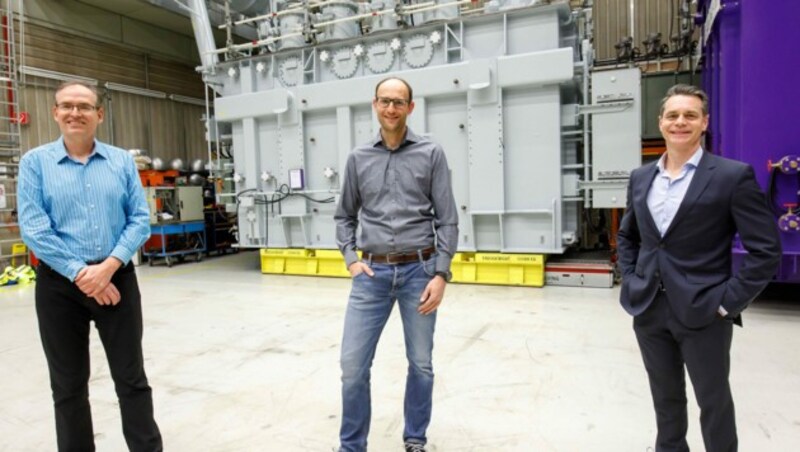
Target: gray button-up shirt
{"x":403,"y":200}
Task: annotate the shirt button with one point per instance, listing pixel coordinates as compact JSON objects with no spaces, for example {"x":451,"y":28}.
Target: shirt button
{"x":92,"y":206}
{"x":88,"y":185}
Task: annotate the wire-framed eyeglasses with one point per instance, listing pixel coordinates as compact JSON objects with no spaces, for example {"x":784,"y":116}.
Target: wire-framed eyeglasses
{"x":82,"y":108}
{"x":384,"y":102}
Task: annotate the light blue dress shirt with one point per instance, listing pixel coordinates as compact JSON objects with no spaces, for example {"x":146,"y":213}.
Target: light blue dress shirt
{"x":71,"y":213}
{"x":666,"y":194}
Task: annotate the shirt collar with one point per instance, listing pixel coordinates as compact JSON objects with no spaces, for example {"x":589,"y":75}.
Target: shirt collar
{"x":62,"y":154}
{"x":410,"y":137}
{"x":693,"y":161}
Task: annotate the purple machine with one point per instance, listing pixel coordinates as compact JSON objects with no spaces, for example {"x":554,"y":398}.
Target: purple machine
{"x":750,"y":74}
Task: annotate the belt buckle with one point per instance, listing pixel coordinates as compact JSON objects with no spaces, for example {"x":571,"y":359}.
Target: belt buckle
{"x":393,"y":253}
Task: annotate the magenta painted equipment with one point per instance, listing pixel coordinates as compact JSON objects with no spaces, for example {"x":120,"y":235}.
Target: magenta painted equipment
{"x":750,"y":73}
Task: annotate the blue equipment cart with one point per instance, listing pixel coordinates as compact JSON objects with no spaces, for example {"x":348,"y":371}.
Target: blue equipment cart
{"x":177,"y":241}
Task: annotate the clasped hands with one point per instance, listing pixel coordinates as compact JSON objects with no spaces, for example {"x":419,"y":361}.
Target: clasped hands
{"x":95,"y":282}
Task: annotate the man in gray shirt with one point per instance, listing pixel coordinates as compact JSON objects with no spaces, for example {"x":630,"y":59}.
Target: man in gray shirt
{"x":397,"y":187}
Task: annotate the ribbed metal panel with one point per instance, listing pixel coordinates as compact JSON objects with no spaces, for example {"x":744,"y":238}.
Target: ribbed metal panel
{"x":54,"y":50}
{"x":163,"y":127}
{"x":612,"y":20}
{"x":174,"y":78}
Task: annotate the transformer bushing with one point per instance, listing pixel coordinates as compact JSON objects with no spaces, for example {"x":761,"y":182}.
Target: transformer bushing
{"x":292,"y":24}
{"x":341,"y":30}
{"x":383,"y":21}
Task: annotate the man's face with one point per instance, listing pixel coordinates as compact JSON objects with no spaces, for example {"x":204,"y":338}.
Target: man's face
{"x":682,"y":124}
{"x":76,"y":112}
{"x":392,"y":106}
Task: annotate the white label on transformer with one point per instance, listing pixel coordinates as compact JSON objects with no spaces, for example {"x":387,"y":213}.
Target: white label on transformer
{"x":2,"y":196}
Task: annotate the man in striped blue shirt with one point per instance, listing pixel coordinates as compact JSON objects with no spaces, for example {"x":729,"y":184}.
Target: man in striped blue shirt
{"x":83,"y":212}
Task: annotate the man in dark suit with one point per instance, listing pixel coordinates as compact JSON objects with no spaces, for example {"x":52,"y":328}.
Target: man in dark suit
{"x":674,"y":248}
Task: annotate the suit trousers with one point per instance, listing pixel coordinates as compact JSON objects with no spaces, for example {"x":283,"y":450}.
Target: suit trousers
{"x":667,"y":346}
{"x":64,"y":314}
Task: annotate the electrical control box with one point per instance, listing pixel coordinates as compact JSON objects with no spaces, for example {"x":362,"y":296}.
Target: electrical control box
{"x":174,"y":204}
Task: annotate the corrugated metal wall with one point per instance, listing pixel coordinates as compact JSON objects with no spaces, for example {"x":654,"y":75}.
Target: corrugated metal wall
{"x":612,"y":22}
{"x":165,"y":128}
{"x":55,"y":50}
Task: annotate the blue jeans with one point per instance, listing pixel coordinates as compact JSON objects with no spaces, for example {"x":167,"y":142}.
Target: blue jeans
{"x":371,"y":302}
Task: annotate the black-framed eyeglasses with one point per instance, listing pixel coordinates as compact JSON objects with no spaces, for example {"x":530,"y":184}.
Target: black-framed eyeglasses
{"x":82,"y":108}
{"x":384,"y":102}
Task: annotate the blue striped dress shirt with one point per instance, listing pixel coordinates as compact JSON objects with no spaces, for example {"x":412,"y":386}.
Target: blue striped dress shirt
{"x":666,"y":194}
{"x":71,"y":213}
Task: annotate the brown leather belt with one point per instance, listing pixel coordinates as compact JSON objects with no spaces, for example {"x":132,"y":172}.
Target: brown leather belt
{"x":400,"y":257}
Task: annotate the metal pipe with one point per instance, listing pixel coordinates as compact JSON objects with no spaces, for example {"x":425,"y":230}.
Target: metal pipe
{"x":404,"y":11}
{"x":586,"y":135}
{"x":442,"y":5}
{"x":632,"y":21}
{"x":418,"y":5}
{"x":279,"y":13}
{"x":252,"y":45}
{"x":208,"y":132}
{"x":201,"y":24}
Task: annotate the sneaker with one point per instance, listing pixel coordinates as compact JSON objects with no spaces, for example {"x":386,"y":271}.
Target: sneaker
{"x":415,"y":447}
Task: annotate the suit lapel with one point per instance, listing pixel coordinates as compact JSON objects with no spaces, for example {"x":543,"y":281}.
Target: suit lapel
{"x":646,"y":182}
{"x":702,"y":176}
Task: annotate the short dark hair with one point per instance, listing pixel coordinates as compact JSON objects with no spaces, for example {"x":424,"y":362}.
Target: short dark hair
{"x":86,"y":85}
{"x":408,"y":87}
{"x":685,"y":90}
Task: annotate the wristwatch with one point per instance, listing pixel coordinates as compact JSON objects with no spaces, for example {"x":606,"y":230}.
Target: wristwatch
{"x":447,"y":276}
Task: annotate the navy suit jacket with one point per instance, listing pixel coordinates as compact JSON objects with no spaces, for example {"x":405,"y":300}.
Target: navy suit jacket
{"x":693,"y":258}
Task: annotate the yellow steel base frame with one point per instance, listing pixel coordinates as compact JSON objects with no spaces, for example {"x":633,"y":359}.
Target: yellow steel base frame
{"x":472,"y":268}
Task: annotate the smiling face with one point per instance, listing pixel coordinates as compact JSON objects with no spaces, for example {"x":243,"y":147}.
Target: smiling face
{"x":683,"y":123}
{"x":79,"y":122}
{"x":392,"y":117}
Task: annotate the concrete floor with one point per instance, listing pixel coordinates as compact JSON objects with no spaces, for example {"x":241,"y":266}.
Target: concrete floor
{"x":241,"y":361}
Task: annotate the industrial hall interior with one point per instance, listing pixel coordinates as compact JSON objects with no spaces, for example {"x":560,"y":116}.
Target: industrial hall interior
{"x":399,"y":226}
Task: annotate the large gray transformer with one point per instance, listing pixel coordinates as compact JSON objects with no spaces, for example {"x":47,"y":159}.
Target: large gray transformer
{"x":503,"y":86}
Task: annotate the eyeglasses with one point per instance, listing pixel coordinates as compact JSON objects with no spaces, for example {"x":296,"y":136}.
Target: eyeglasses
{"x":384,"y":102}
{"x":82,"y":108}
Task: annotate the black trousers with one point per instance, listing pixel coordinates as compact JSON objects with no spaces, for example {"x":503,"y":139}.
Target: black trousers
{"x":667,"y":346}
{"x":64,"y":313}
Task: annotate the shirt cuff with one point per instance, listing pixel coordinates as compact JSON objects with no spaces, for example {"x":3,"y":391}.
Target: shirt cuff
{"x":722,"y":311}
{"x":443,"y":262}
{"x":73,"y":269}
{"x":123,"y":254}
{"x":350,"y":256}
